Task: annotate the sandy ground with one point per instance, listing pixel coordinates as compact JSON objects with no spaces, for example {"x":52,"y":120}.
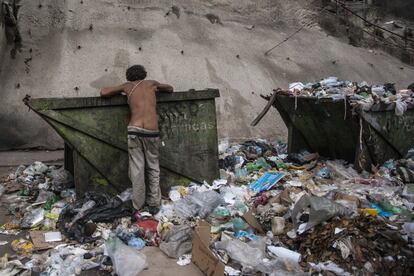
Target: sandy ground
{"x":159,"y":263}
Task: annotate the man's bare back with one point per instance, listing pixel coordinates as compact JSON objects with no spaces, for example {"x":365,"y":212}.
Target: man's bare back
{"x":142,"y":101}
{"x":143,"y":136}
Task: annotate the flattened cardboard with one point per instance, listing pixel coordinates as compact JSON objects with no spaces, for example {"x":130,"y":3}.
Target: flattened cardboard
{"x":202,"y":257}
{"x":39,"y":243}
{"x":251,"y":220}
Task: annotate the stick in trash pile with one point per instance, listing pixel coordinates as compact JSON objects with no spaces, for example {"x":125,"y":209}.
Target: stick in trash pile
{"x":266,"y":108}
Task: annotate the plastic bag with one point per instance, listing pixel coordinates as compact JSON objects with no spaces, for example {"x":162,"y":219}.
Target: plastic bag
{"x":198,"y":204}
{"x":259,"y":164}
{"x":321,"y":209}
{"x":329,"y":266}
{"x":32,"y":218}
{"x":104,"y":209}
{"x":296,"y":86}
{"x":338,"y":169}
{"x":280,"y":267}
{"x":330,"y":82}
{"x":408,"y":228}
{"x":136,"y":243}
{"x":303,"y":157}
{"x":247,"y":254}
{"x":22,"y":246}
{"x":278,"y":225}
{"x":177,"y":241}
{"x":324,"y":173}
{"x":61,"y":179}
{"x":44,"y":196}
{"x":126,"y":195}
{"x":37,"y":168}
{"x":127,"y":260}
{"x":400,"y":107}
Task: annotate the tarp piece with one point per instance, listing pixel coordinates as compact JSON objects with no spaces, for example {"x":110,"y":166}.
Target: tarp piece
{"x":95,"y":134}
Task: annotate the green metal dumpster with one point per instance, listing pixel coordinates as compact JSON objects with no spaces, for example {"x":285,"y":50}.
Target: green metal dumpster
{"x":330,"y":128}
{"x":95,"y":133}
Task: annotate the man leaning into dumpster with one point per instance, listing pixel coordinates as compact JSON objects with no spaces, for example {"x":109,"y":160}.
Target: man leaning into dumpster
{"x":143,"y":136}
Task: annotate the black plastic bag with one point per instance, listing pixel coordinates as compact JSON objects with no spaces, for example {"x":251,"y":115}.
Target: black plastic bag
{"x":106,"y":209}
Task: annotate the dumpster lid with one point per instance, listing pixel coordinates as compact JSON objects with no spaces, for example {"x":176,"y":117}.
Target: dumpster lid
{"x":77,"y":102}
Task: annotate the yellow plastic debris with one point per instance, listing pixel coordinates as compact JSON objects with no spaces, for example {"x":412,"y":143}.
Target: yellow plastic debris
{"x":370,"y":211}
{"x":22,"y":246}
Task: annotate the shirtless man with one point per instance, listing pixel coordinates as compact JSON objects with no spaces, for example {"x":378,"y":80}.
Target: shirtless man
{"x":143,"y":135}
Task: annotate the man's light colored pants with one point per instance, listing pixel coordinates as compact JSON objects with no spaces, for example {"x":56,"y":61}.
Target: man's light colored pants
{"x":144,"y":170}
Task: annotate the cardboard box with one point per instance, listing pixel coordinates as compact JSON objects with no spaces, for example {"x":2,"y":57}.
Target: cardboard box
{"x":202,"y":256}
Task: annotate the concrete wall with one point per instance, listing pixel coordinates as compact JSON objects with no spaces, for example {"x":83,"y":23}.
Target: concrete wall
{"x":2,"y":42}
{"x":63,"y":56}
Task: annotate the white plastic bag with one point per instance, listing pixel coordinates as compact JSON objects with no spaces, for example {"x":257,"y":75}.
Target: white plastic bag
{"x":248,"y":254}
{"x":400,"y":107}
{"x":198,"y":204}
{"x":127,"y":261}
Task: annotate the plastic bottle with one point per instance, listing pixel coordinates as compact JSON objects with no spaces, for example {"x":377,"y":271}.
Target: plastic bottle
{"x":81,"y":212}
{"x":282,"y":165}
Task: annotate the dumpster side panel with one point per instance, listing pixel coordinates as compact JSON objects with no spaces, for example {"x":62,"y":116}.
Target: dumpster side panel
{"x":95,"y":131}
{"x":189,"y":138}
{"x":320,"y":126}
{"x":91,"y":180}
{"x":110,"y":162}
{"x":398,"y":131}
{"x":385,"y":136}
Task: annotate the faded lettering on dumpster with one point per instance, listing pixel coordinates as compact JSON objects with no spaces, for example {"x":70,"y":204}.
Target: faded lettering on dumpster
{"x":183,"y":118}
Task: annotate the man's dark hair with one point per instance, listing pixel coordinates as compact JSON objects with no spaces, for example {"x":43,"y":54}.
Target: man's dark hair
{"x":135,"y":73}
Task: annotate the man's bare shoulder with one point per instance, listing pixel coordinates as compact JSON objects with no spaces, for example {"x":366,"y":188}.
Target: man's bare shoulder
{"x":152,"y":82}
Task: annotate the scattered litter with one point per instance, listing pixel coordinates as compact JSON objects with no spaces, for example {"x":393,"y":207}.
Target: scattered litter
{"x":266,"y":182}
{"x":184,"y":260}
{"x":284,"y":253}
{"x":22,"y":246}
{"x":52,"y":236}
{"x":271,"y":213}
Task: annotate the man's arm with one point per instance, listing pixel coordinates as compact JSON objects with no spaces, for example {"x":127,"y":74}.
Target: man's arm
{"x":161,"y":87}
{"x":111,"y":91}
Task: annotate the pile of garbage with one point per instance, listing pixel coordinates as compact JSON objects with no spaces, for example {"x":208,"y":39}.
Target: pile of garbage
{"x":35,"y":196}
{"x":270,"y":213}
{"x":361,"y":95}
